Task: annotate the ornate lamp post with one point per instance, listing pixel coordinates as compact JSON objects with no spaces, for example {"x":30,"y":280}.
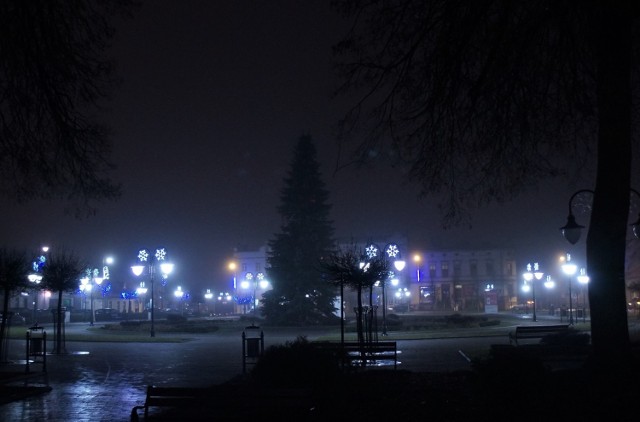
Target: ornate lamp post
{"x":223,"y":299}
{"x":243,"y":297}
{"x":392,"y":253}
{"x":146,"y":260}
{"x":583,"y":279}
{"x":233,"y":268}
{"x":88,"y":283}
{"x":208,"y":295}
{"x":179,"y":294}
{"x":549,"y":284}
{"x":417,"y":259}
{"x":36,"y":279}
{"x":572,"y":230}
{"x":140,"y":291}
{"x":255,"y":281}
{"x":403,"y":294}
{"x":569,"y":268}
{"x":532,"y":277}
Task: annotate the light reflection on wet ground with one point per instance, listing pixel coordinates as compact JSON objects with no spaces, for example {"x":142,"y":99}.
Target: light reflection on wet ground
{"x":103,"y":381}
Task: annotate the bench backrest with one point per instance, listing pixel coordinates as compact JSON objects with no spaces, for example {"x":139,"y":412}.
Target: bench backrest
{"x":539,"y":330}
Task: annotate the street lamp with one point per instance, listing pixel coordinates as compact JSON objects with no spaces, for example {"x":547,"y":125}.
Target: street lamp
{"x":223,"y":299}
{"x":208,"y":295}
{"x":88,"y":283}
{"x":549,"y":284}
{"x":371,"y":253}
{"x":253,"y":280}
{"x":261,"y":282}
{"x":392,"y":252}
{"x":36,"y":279}
{"x":146,"y":259}
{"x":531,"y":277}
{"x":256,"y":280}
{"x":403,"y":295}
{"x":233,"y":267}
{"x":572,"y":230}
{"x":583,"y":279}
{"x":140,"y":291}
{"x":245,"y":296}
{"x":417,"y":259}
{"x":570,"y":269}
{"x":179,"y":294}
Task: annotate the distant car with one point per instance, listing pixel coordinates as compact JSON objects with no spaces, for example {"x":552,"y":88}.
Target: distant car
{"x":15,"y":318}
{"x":107,"y":314}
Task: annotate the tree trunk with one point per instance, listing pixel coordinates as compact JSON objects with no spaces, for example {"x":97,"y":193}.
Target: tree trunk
{"x":59,"y":324}
{"x":359,"y":325}
{"x":3,"y":324}
{"x":606,"y":241}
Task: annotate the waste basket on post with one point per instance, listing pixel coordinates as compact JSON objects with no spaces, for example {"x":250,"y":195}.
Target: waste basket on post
{"x":252,"y":345}
{"x":37,"y":346}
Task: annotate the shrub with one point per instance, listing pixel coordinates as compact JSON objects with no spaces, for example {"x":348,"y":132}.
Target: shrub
{"x":295,"y":364}
{"x":571,"y":338}
{"x":176,"y":318}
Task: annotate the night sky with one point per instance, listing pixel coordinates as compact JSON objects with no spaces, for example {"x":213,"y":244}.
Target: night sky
{"x":214,"y":96}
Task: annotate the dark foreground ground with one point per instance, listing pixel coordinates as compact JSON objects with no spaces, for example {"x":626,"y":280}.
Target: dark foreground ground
{"x":404,"y":396}
{"x":510,"y":387}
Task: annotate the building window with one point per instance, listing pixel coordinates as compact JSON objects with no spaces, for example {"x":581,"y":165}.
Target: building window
{"x":489,"y":268}
{"x":432,"y":269}
{"x":473,"y":268}
{"x":444,"y":267}
{"x":456,"y":268}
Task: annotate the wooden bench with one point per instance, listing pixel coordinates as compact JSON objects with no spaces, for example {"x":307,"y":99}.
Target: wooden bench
{"x":237,"y":400}
{"x":351,"y":352}
{"x":169,"y":397}
{"x":536,"y":331}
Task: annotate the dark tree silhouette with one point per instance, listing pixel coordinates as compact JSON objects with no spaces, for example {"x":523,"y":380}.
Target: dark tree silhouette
{"x":300,"y":296}
{"x":343,"y":269}
{"x":481,"y":100}
{"x":52,"y":77}
{"x":61,"y":274}
{"x":14,"y":268}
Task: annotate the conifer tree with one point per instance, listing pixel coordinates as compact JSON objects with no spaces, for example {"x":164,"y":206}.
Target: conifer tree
{"x":300,"y":294}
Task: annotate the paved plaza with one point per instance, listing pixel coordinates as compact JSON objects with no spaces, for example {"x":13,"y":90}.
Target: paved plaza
{"x":103,"y":381}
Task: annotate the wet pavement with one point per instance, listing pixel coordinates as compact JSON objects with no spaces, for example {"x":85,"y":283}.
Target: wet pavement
{"x":103,"y":381}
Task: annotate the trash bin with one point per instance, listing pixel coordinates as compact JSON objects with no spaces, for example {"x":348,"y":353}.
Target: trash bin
{"x":37,"y":347}
{"x":252,"y":345}
{"x":36,"y":340}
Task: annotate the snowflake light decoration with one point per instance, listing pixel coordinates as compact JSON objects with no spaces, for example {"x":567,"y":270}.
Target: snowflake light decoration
{"x":161,"y":254}
{"x":143,"y":255}
{"x":38,"y":264}
{"x":371,"y":251}
{"x":392,"y":250}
